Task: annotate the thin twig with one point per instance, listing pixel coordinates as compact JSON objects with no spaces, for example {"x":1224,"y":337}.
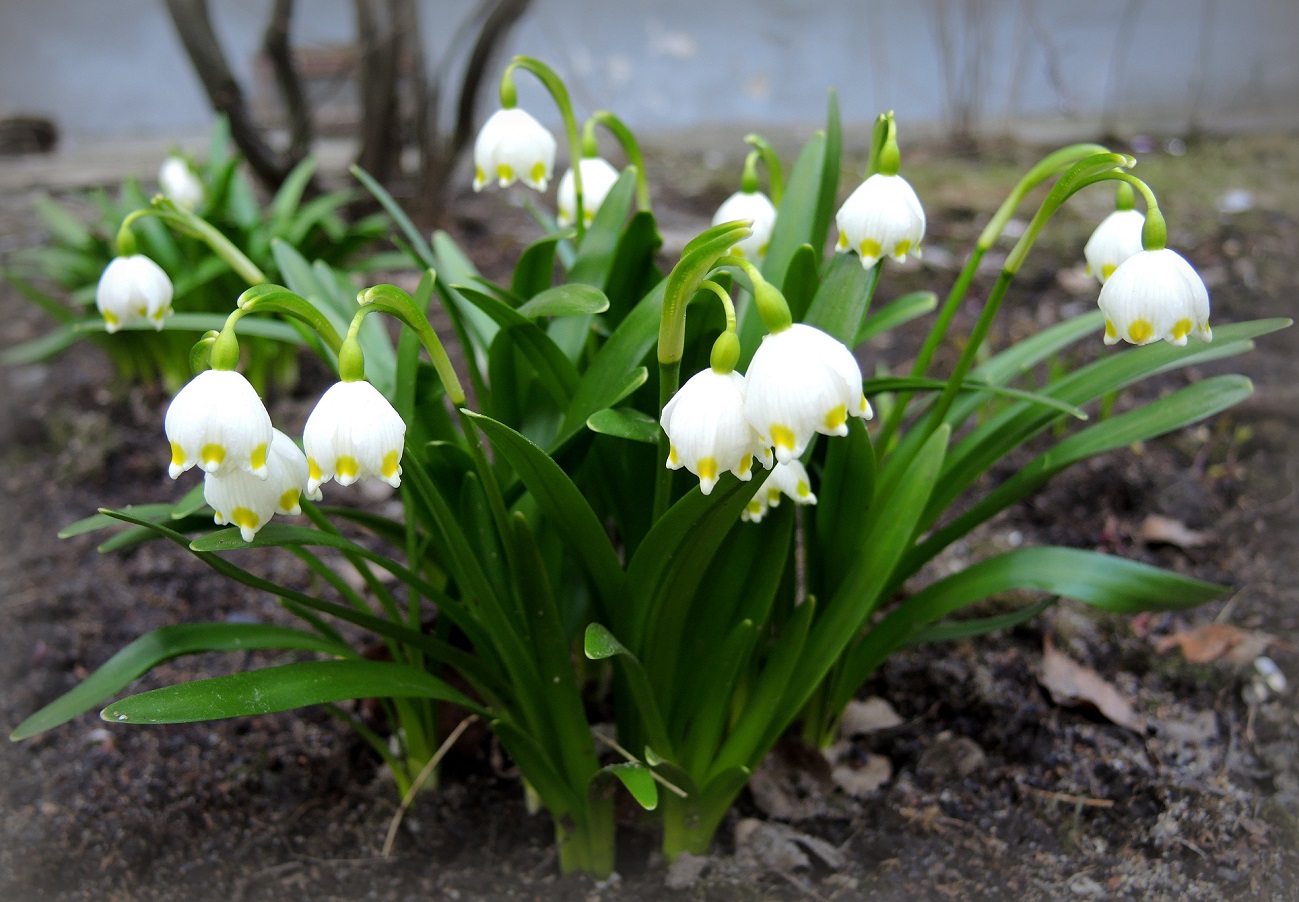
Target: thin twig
{"x":419,"y":781}
{"x":1069,"y":797}
{"x":613,"y":744}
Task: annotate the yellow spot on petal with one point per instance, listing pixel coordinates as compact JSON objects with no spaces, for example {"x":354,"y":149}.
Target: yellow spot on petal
{"x":177,"y":455}
{"x":313,"y":469}
{"x":258,"y":458}
{"x":842,"y":242}
{"x":746,"y":465}
{"x":389,"y":468}
{"x":773,"y":497}
{"x":802,"y":489}
{"x":347,"y":467}
{"x":762,"y":251}
{"x":707,"y":469}
{"x":289,"y":500}
{"x":212,"y":454}
{"x":673,"y":458}
{"x":111,"y":318}
{"x":538,"y":171}
{"x":836,"y":417}
{"x":782,"y":436}
{"x":1181,"y":329}
{"x":244,"y":518}
{"x":141,"y":310}
{"x":754,"y":507}
{"x":870,"y":247}
{"x":505,"y":172}
{"x":1107,"y":270}
{"x":1110,"y":331}
{"x":479,"y":175}
{"x":902,"y":247}
{"x":1140,"y":330}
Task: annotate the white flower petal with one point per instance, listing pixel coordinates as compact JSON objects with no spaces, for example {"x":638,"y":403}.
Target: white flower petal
{"x":218,"y":423}
{"x":802,"y":381}
{"x":754,"y":206}
{"x":511,"y":146}
{"x":133,"y":289}
{"x":598,"y":177}
{"x":882,"y":218}
{"x":707,"y":430}
{"x":1116,"y":239}
{"x":241,"y":498}
{"x":352,"y":433}
{"x":1155,"y":295}
{"x":180,"y":183}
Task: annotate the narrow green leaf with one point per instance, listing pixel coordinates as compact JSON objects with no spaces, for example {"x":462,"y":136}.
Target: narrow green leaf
{"x":843,"y":298}
{"x":802,"y":280}
{"x":598,"y":643}
{"x":639,"y":782}
{"x":555,"y":370}
{"x":289,"y":196}
{"x":951,"y":630}
{"x":536,"y":267}
{"x":161,"y":645}
{"x":417,"y":242}
{"x":895,"y":313}
{"x":596,"y":254}
{"x":625,"y":422}
{"x":565,"y":300}
{"x":888,"y":384}
{"x":62,"y":225}
{"x":283,"y":688}
{"x":43,"y":348}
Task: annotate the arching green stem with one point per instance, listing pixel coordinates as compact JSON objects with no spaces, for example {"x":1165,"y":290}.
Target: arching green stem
{"x":395,"y":302}
{"x":190,"y":224}
{"x":555,"y":87}
{"x":775,"y":176}
{"x":630,"y":146}
{"x":271,"y":298}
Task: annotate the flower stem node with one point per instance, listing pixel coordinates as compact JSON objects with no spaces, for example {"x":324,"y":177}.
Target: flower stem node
{"x":352,"y":433}
{"x":513,"y":146}
{"x":758,"y":209}
{"x":789,"y":479}
{"x":882,"y":218}
{"x":218,"y":423}
{"x":133,"y":289}
{"x":598,"y":177}
{"x":242,"y":499}
{"x":802,"y":381}
{"x":1155,"y":295}
{"x":1117,"y":238}
{"x":180,"y":184}
{"x":707,"y":430}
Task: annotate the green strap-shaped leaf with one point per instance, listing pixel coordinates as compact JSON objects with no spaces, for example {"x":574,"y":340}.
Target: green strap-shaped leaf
{"x":625,"y":422}
{"x":710,"y":706}
{"x":289,"y":196}
{"x":887,"y":384}
{"x":599,"y":643}
{"x":1100,"y":580}
{"x":536,"y":267}
{"x":161,"y":645}
{"x":555,"y":371}
{"x":639,"y":782}
{"x":845,"y":294}
{"x":562,"y":502}
{"x":802,"y":280}
{"x":895,"y":313}
{"x":843,"y":508}
{"x":283,"y":688}
{"x":596,"y":255}
{"x":633,"y":273}
{"x":951,"y":630}
{"x":565,"y":300}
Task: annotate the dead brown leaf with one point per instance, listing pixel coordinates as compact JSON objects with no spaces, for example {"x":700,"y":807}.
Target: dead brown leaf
{"x":868,"y":715}
{"x":1217,"y":640}
{"x":1156,"y":529}
{"x":1071,"y":684}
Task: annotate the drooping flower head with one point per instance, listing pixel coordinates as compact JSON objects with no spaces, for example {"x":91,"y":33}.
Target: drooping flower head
{"x":241,"y":498}
{"x":707,"y":430}
{"x":218,"y":423}
{"x":1116,"y":239}
{"x":802,"y":381}
{"x":180,"y":183}
{"x":598,"y":177}
{"x":882,"y":218}
{"x":755,"y":206}
{"x":789,"y":479}
{"x":353,"y":432}
{"x":511,"y":146}
{"x":1155,"y":295}
{"x":133,"y":289}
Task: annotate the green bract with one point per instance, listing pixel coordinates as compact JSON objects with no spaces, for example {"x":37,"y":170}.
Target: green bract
{"x":537,"y":516}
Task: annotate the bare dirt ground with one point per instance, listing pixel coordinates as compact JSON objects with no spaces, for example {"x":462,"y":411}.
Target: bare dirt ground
{"x":991,"y":790}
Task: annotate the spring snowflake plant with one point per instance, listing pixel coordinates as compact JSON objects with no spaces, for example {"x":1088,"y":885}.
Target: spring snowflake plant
{"x":586,"y":497}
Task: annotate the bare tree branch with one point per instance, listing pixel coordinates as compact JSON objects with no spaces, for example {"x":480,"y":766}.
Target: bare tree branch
{"x":275,"y":44}
{"x":377,"y":44}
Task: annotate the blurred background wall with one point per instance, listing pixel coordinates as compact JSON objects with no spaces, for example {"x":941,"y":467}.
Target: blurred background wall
{"x":681,"y":67}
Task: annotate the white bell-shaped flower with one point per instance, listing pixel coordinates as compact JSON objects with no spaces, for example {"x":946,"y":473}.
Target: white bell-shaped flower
{"x":598,"y":177}
{"x":218,"y":423}
{"x":707,"y":430}
{"x":353,"y":432}
{"x":1155,"y":295}
{"x":882,"y":218}
{"x":802,"y":381}
{"x":241,"y":498}
{"x":180,"y":183}
{"x":755,"y":206}
{"x":789,"y":479}
{"x":1116,"y":239}
{"x":133,"y":289}
{"x":512,"y":145}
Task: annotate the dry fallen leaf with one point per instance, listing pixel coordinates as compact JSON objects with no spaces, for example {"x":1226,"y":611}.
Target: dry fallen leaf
{"x":1218,"y":640}
{"x":868,"y":715}
{"x":1156,"y":529}
{"x":860,"y":782}
{"x":1071,"y":684}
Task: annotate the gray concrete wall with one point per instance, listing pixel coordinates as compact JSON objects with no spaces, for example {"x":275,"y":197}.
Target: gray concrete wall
{"x":114,"y":67}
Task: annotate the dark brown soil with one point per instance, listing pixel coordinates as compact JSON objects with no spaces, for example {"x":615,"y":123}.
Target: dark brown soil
{"x":996,"y":792}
